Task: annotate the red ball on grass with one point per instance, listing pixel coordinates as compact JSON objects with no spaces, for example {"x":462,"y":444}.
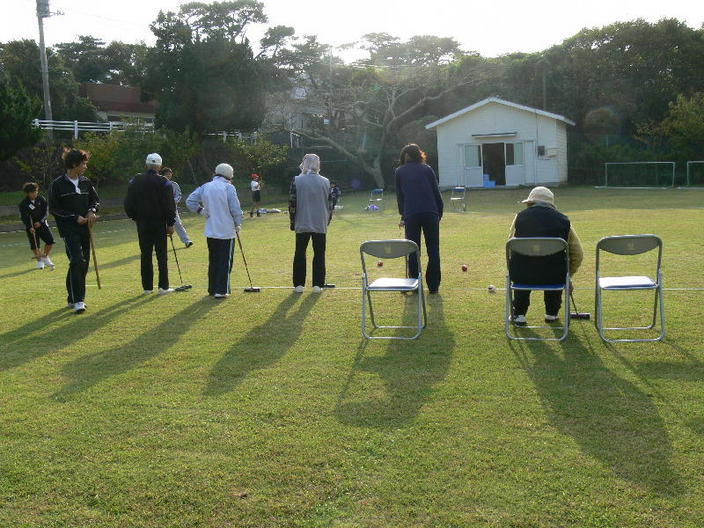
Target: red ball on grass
{"x":464,"y":267}
{"x":380,"y":263}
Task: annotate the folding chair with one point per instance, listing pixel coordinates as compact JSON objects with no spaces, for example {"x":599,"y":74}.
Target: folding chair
{"x":458,"y":198}
{"x":630,"y":245}
{"x":537,"y":247}
{"x":376,"y":197}
{"x":391,"y":249}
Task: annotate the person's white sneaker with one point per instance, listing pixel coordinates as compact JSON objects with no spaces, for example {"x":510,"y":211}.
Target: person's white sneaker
{"x":48,"y":262}
{"x":519,"y":320}
{"x":317,"y":289}
{"x":40,"y":264}
{"x":298,"y":289}
{"x":550,"y":318}
{"x":148,"y":292}
{"x":79,"y":307}
{"x":221,"y":295}
{"x":165,"y":291}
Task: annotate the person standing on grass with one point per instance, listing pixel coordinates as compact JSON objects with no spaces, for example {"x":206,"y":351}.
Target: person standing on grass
{"x":34,"y":210}
{"x":420,"y":206}
{"x":150,"y":203}
{"x":335,"y":192}
{"x":167,"y":173}
{"x":74,"y":203}
{"x":541,"y":218}
{"x":256,"y":187}
{"x":310,"y":211}
{"x":217,"y":201}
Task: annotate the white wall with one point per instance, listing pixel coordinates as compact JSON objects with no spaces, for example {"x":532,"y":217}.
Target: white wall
{"x":496,"y":118}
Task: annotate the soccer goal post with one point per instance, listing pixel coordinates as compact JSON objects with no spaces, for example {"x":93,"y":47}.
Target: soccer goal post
{"x":695,"y":173}
{"x":639,"y":174}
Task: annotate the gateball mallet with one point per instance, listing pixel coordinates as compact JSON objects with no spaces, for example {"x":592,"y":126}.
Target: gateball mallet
{"x":95,"y":260}
{"x":183,"y":286}
{"x":576,"y":314}
{"x":251,"y":289}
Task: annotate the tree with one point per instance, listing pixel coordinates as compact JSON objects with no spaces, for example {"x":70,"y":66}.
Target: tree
{"x":373,"y":106}
{"x":17,"y":110}
{"x":20,"y":59}
{"x":682,"y":130}
{"x":202,"y":69}
{"x":91,"y":60}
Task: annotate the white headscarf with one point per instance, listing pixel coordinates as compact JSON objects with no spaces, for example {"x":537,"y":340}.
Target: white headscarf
{"x":310,"y":163}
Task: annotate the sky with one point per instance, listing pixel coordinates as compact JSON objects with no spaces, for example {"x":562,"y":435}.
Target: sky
{"x":489,"y":27}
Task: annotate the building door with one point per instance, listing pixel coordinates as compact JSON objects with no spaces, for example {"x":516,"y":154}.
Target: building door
{"x":472,"y":171}
{"x":494,"y":162}
{"x":515,"y":165}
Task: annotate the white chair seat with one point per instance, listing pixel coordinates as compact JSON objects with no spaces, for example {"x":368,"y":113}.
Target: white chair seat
{"x":393,"y":284}
{"x":634,"y":282}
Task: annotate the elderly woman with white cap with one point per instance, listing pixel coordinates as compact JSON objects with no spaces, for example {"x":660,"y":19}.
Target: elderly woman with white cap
{"x":310,"y":212}
{"x":541,"y":218}
{"x":217,"y":201}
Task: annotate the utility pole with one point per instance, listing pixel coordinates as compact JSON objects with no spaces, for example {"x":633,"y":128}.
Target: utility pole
{"x":42,"y":13}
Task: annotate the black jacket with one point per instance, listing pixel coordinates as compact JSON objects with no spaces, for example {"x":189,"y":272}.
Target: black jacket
{"x":150,"y":201}
{"x":33,"y":212}
{"x":417,"y":190}
{"x":67,"y":205}
{"x":540,"y":221}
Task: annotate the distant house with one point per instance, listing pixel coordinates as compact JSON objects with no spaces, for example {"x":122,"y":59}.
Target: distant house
{"x":119,"y":103}
{"x":499,"y":143}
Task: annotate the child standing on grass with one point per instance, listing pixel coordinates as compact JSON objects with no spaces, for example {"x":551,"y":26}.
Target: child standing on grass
{"x":256,"y":187}
{"x":34,"y":211}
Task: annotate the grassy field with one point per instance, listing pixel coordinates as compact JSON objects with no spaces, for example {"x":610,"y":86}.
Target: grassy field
{"x":269,"y":410}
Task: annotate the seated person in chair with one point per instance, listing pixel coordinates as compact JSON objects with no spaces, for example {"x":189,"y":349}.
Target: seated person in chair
{"x":541,"y":218}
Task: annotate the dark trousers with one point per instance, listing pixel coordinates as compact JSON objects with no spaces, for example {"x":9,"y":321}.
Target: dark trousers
{"x":429,"y":223}
{"x":43,"y":233}
{"x":220,"y":253}
{"x":78,"y":253}
{"x":299,"y":259}
{"x":153,"y":240}
{"x":521,"y":301}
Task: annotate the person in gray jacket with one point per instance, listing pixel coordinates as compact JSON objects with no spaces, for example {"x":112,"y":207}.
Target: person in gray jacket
{"x":310,"y":211}
{"x":217,"y":201}
{"x":167,"y":173}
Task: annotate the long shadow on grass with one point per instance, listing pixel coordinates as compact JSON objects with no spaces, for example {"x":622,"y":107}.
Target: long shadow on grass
{"x":409,"y":369}
{"x":609,"y":417}
{"x":690,"y":370}
{"x":86,"y":371}
{"x":262,"y":346}
{"x":46,"y":334}
{"x":18,"y":273}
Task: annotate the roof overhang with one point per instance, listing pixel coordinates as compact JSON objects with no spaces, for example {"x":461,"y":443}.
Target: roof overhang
{"x":496,"y":135}
{"x":496,"y":100}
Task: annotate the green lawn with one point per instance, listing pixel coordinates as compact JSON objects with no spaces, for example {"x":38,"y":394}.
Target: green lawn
{"x":269,"y":410}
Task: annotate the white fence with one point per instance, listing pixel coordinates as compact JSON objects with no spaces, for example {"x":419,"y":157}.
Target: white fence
{"x":90,"y":126}
{"x":75,"y":127}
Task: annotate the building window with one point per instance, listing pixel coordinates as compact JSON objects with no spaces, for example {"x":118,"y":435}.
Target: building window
{"x":514,"y":153}
{"x":472,"y":156}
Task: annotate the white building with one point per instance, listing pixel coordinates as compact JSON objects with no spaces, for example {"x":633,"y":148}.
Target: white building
{"x":500,"y":143}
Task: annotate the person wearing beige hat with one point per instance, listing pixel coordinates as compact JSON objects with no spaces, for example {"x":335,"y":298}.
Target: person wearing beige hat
{"x":541,"y":218}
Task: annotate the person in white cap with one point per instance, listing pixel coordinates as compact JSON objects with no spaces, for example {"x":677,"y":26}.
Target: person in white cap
{"x":150,"y":203}
{"x":541,"y":218}
{"x":217,"y":200}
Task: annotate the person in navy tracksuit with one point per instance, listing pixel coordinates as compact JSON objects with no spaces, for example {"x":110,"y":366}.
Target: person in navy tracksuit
{"x":420,"y":206}
{"x":74,"y":203}
{"x":34,"y":210}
